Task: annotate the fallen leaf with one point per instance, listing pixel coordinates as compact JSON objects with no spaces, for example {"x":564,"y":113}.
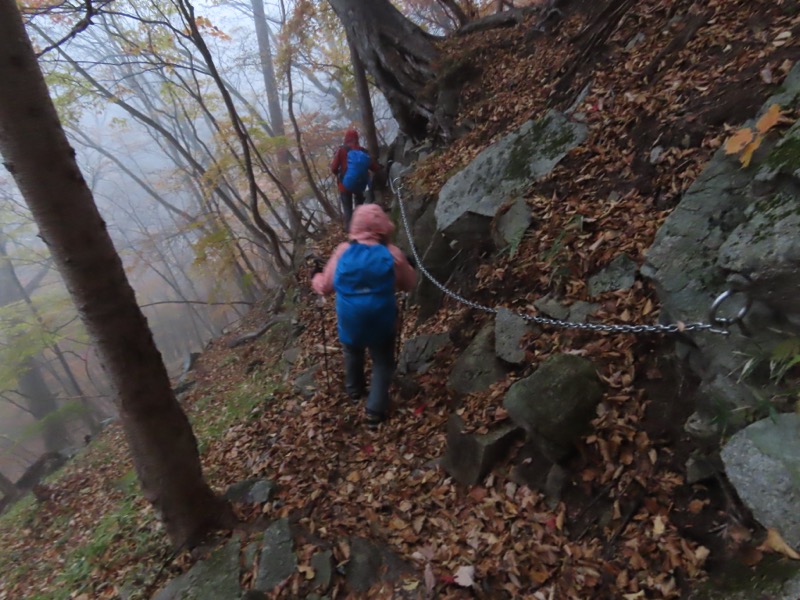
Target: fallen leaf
{"x":430,"y":579}
{"x":639,"y":594}
{"x":737,"y":142}
{"x":307,"y":571}
{"x":464,"y":576}
{"x":747,"y":155}
{"x":776,"y":543}
{"x":658,"y":526}
{"x":701,"y":553}
{"x":695,"y":506}
{"x":410,"y":586}
{"x":769,"y":119}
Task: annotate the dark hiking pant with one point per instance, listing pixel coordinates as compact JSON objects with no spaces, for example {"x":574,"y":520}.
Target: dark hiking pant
{"x":349,"y":201}
{"x":382,"y":369}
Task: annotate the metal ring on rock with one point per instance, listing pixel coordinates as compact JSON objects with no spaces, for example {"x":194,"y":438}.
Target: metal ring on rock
{"x":721,"y":299}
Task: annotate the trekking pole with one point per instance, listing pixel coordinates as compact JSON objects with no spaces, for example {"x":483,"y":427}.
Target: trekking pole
{"x":320,"y":304}
{"x":399,"y":341}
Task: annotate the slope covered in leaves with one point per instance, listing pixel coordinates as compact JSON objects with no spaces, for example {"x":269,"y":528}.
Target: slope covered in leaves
{"x":674,"y":76}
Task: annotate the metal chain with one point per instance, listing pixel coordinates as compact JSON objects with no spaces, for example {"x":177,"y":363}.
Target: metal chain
{"x":603,"y":327}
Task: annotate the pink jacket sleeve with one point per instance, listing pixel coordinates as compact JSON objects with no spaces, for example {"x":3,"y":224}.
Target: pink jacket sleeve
{"x":323,"y":282}
{"x":404,"y":274}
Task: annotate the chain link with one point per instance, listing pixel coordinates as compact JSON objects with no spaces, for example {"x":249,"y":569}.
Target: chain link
{"x":559,"y":323}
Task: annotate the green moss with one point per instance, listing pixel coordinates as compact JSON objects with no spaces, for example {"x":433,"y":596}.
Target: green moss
{"x":786,"y":155}
{"x":541,"y":140}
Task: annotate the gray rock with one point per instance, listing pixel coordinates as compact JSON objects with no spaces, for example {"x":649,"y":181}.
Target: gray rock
{"x":290,"y":355}
{"x":762,"y":462}
{"x":370,"y":563}
{"x":741,"y":223}
{"x":251,"y":491}
{"x":254,"y":595}
{"x":551,"y":307}
{"x":557,"y":402}
{"x":508,"y":331}
{"x":771,"y":579}
{"x":699,"y":468}
{"x":620,"y":274}
{"x":579,"y":311}
{"x":278,"y":561}
{"x":470,"y":457}
{"x":322,"y":563}
{"x":477,"y":368}
{"x":503,"y":170}
{"x":306,"y":382}
{"x":554,"y":485}
{"x":418,"y":352}
{"x":217,"y":577}
{"x":511,"y":226}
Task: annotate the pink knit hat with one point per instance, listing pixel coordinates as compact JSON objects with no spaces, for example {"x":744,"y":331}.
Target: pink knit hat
{"x":370,"y":222}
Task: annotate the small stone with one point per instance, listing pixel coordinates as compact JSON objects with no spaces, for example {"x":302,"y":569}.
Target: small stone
{"x":620,"y":274}
{"x":478,"y":367}
{"x":251,"y":491}
{"x":509,"y":328}
{"x":322,"y":563}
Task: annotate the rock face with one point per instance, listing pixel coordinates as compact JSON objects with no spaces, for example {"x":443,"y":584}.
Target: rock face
{"x":508,"y":331}
{"x":740,"y":223}
{"x":620,"y":274}
{"x":478,"y":367}
{"x":217,"y":577}
{"x":418,"y":352}
{"x":278,"y":560}
{"x":556,"y":403}
{"x":470,"y":457}
{"x":763,"y":464}
{"x":502,"y":170}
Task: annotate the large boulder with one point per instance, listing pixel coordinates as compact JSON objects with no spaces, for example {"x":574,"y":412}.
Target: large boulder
{"x":762,"y":462}
{"x":556,"y":403}
{"x":477,"y":368}
{"x":735,"y":226}
{"x":471,"y":198}
{"x":470,"y":456}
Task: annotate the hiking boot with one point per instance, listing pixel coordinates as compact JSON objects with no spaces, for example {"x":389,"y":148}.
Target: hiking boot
{"x":355,"y":397}
{"x":374,"y":419}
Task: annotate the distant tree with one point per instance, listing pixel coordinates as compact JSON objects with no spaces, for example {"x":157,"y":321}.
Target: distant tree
{"x":37,"y":154}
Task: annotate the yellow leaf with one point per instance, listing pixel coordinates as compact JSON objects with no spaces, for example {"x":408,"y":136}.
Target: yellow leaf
{"x":658,"y":526}
{"x":411,"y":586}
{"x":747,"y":155}
{"x":738,"y":140}
{"x":776,"y":543}
{"x":639,"y":594}
{"x":307,"y":571}
{"x":769,"y":119}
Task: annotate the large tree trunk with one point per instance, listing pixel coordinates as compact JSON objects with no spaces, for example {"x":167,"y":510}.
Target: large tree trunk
{"x":400,"y":57}
{"x":37,"y":154}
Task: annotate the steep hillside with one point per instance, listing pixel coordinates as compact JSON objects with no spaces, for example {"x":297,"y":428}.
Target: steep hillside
{"x":660,"y":86}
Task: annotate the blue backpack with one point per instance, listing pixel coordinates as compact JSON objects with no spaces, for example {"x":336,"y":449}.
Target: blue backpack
{"x":365,"y":305}
{"x":356,"y":176}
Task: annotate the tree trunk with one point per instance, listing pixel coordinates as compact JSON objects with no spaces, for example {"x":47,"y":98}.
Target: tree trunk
{"x":37,"y":154}
{"x":271,"y":86}
{"x":400,"y":57}
{"x":42,"y":406}
{"x":364,"y":101}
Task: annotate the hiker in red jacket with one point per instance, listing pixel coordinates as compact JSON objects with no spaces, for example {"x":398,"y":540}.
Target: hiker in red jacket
{"x":352,"y":157}
{"x":364,"y":273}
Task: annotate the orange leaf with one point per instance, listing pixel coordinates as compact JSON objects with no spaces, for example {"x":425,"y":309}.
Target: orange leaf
{"x":769,"y":119}
{"x":776,"y":543}
{"x":738,"y":140}
{"x":747,"y":155}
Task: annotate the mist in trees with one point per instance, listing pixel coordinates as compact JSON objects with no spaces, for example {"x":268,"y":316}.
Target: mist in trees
{"x":203,"y":132}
